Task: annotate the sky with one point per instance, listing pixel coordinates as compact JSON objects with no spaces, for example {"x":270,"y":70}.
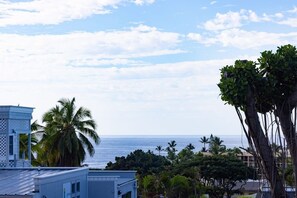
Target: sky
{"x":143,"y":67}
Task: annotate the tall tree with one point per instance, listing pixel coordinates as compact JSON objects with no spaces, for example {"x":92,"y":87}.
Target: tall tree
{"x":267,"y":89}
{"x":222,"y":173}
{"x":190,"y":147}
{"x":68,"y":132}
{"x":204,"y":140}
{"x":216,"y":145}
{"x":171,"y":150}
{"x":159,"y":149}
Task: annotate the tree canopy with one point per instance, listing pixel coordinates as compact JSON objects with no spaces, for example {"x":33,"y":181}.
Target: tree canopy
{"x":191,"y":174}
{"x":68,"y":131}
{"x":267,"y":88}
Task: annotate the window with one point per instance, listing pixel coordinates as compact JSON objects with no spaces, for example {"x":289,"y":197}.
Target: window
{"x":77,"y":186}
{"x":127,"y":195}
{"x":10,"y":145}
{"x":73,"y":187}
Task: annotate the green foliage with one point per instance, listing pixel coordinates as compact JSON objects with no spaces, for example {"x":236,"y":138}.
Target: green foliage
{"x":221,"y":173}
{"x":272,"y":80}
{"x":280,"y":70}
{"x":185,"y":154}
{"x":144,"y":162}
{"x":204,"y":140}
{"x":171,"y":151}
{"x":289,"y":175}
{"x":179,"y":186}
{"x":235,"y":81}
{"x":149,"y":185}
{"x":216,"y":146}
{"x":68,"y":131}
{"x":191,"y":176}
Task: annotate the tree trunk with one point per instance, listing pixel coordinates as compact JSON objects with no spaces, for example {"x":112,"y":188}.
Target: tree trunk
{"x":288,"y":128}
{"x":263,"y":148}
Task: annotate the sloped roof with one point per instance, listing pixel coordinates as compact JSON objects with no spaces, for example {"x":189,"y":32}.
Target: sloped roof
{"x":20,"y":181}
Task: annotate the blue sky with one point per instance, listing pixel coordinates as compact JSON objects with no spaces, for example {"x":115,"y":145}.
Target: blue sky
{"x":146,"y":67}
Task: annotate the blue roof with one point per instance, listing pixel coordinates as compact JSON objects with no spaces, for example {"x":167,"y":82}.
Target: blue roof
{"x":20,"y":181}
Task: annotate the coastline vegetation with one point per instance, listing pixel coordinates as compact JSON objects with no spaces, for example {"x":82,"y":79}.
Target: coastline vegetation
{"x":214,"y":171}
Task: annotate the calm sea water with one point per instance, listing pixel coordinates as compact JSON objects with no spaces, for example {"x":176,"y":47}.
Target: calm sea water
{"x":117,"y":146}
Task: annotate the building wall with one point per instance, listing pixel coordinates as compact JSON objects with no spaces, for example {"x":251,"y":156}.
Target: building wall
{"x":122,"y":181}
{"x":14,"y":120}
{"x":102,"y":189}
{"x":130,"y":186}
{"x":67,"y":184}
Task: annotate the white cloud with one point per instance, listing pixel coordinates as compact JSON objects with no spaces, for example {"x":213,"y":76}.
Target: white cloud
{"x":136,"y":91}
{"x":294,"y":10}
{"x":195,"y":36}
{"x":245,"y":39}
{"x":279,"y":15}
{"x":213,"y":2}
{"x":36,"y":12}
{"x":85,"y":48}
{"x":292,"y":22}
{"x":230,"y":20}
{"x":141,"y":2}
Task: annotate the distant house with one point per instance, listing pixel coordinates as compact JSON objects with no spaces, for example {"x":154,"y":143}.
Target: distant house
{"x":19,"y":180}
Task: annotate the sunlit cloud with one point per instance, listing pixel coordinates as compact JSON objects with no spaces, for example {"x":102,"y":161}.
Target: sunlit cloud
{"x":44,"y":12}
{"x":89,"y":49}
{"x":141,"y":2}
{"x":230,"y":20}
{"x":243,"y":39}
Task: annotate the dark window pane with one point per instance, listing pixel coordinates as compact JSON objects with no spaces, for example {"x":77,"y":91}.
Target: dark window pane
{"x":10,"y":145}
{"x":77,"y":186}
{"x":73,"y":187}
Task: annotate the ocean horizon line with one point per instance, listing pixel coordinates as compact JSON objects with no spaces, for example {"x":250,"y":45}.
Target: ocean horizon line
{"x":168,"y":136}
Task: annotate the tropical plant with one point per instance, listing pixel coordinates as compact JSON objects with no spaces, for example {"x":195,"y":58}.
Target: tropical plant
{"x":159,"y":149}
{"x":149,"y":185}
{"x":216,"y":146}
{"x":68,"y":131}
{"x":171,"y":150}
{"x":222,"y":173}
{"x":143,"y":162}
{"x":190,"y":147}
{"x":179,"y":186}
{"x":204,"y":140}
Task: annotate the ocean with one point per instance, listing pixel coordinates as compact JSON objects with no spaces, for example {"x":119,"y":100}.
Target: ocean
{"x":117,"y":146}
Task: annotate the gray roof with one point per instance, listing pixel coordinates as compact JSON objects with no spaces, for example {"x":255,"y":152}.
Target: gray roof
{"x":14,"y":181}
{"x":249,"y":186}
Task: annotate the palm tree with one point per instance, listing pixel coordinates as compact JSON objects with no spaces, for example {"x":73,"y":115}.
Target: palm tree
{"x":68,"y":132}
{"x":159,"y":149}
{"x":216,"y":145}
{"x":216,"y":140}
{"x":204,"y":140}
{"x":171,"y":150}
{"x":171,"y":146}
{"x":190,"y":147}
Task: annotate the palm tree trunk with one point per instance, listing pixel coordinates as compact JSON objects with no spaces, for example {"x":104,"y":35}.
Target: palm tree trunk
{"x":262,"y":146}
